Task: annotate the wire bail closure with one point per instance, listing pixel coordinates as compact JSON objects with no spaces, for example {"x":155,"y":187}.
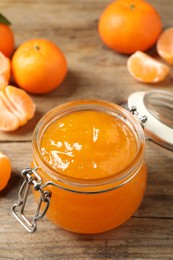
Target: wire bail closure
{"x":31,"y":178}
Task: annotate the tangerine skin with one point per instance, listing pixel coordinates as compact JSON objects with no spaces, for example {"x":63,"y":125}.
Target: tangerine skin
{"x":99,"y":211}
{"x":127,"y":26}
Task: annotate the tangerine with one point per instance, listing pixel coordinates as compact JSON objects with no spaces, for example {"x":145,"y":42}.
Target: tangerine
{"x":5,"y":68}
{"x":38,"y":66}
{"x":165,"y":45}
{"x":146,"y":69}
{"x":5,"y":170}
{"x":16,"y":108}
{"x":6,"y":37}
{"x":127,"y":26}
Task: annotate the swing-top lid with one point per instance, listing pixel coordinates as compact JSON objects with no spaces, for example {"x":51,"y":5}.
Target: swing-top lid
{"x":157,"y":106}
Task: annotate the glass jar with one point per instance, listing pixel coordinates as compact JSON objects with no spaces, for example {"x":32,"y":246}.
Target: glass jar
{"x":80,"y":205}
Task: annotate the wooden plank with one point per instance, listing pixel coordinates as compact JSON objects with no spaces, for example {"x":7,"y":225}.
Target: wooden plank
{"x":137,"y":239}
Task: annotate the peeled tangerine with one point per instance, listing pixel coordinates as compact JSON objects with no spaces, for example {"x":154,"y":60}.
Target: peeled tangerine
{"x":165,"y":45}
{"x":5,"y":170}
{"x":16,"y":108}
{"x":146,"y":69}
{"x":5,"y":67}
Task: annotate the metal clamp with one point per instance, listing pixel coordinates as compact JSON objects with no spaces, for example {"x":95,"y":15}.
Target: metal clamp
{"x":140,"y":118}
{"x":31,"y":178}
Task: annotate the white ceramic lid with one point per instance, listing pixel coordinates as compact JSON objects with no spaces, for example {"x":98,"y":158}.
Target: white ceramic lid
{"x":157,"y":105}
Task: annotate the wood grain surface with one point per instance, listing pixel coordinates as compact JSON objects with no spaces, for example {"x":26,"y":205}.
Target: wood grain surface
{"x":94,"y":71}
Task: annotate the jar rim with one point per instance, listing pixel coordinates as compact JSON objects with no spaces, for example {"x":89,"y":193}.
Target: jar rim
{"x":99,"y":105}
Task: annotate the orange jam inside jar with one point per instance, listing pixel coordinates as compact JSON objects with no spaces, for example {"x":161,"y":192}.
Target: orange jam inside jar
{"x":92,"y":152}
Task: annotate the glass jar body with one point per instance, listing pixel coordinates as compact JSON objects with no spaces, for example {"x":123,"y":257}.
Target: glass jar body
{"x":88,"y":207}
{"x":96,"y":212}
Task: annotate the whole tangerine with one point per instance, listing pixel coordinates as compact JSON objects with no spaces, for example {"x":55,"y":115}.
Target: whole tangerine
{"x":5,"y":170}
{"x":6,"y":37}
{"x":38,"y":66}
{"x":127,"y":26}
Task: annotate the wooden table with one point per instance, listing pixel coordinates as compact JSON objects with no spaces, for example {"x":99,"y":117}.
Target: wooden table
{"x":94,"y":72}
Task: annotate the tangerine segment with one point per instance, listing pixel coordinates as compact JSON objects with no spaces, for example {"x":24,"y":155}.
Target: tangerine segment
{"x":16,"y":108}
{"x":146,"y":69}
{"x":5,"y":170}
{"x":8,"y":121}
{"x":10,"y":107}
{"x":38,"y":66}
{"x":22,"y":103}
{"x":165,"y":45}
{"x":4,"y":70}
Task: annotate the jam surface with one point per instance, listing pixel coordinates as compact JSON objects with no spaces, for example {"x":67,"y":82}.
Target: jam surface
{"x":88,"y":144}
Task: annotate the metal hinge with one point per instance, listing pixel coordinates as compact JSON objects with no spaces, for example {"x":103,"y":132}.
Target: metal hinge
{"x":142,"y":119}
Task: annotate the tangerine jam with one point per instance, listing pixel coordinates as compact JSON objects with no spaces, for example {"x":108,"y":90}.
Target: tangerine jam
{"x":92,"y":153}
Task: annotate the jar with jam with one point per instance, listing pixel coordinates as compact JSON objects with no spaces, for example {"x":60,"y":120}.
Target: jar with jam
{"x":88,"y":173}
